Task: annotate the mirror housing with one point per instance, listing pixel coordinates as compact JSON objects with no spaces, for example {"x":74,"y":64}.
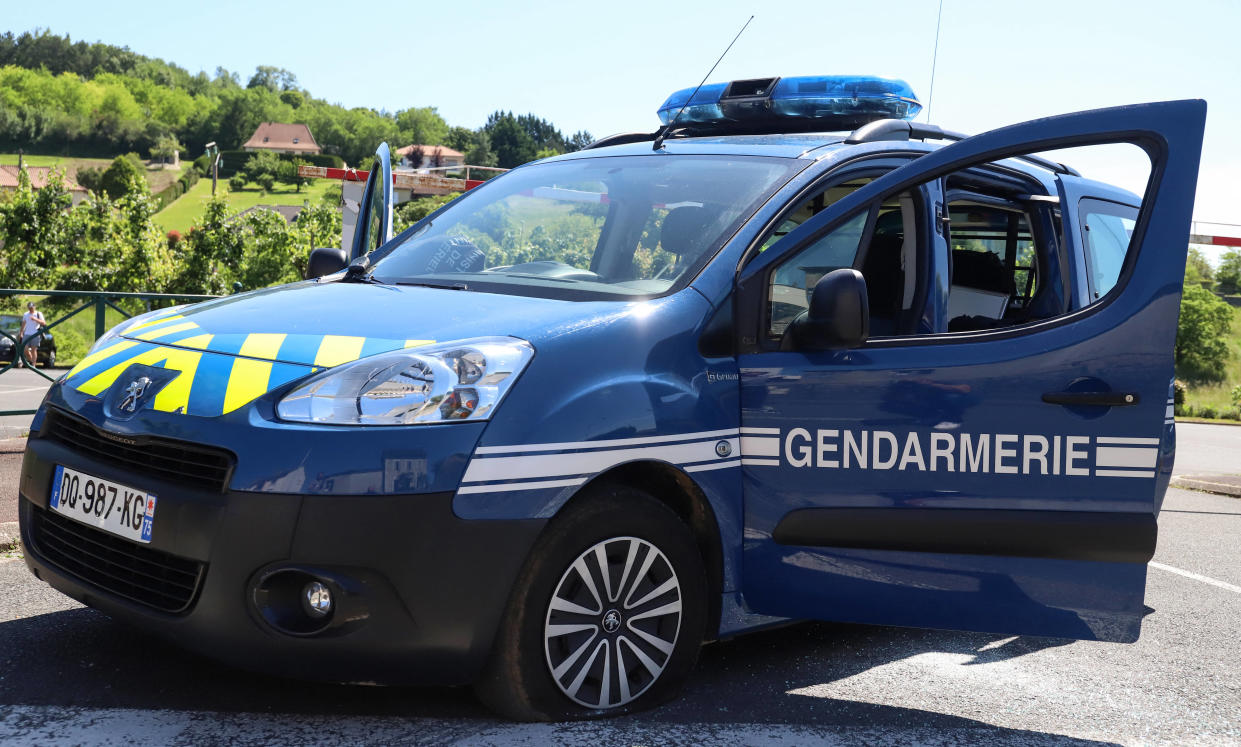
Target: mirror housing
{"x":838,"y":317}
{"x":325,"y":261}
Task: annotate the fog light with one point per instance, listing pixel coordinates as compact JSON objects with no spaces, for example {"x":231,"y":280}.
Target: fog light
{"x":317,"y":598}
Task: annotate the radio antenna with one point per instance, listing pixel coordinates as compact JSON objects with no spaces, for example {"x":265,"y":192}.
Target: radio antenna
{"x":930,"y":98}
{"x":659,"y":139}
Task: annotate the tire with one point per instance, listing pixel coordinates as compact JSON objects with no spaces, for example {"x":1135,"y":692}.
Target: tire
{"x":657,"y":638}
{"x":50,"y":361}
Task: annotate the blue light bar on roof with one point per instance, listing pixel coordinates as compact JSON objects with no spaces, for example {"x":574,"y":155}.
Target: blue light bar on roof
{"x":825,"y":102}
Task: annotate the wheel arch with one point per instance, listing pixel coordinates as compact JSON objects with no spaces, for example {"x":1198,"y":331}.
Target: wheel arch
{"x":679,"y":492}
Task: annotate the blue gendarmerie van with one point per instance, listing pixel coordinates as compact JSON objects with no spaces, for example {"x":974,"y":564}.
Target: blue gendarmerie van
{"x":792,"y":356}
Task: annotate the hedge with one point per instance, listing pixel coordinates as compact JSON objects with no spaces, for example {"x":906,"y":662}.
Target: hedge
{"x":233,"y":161}
{"x":189,"y":177}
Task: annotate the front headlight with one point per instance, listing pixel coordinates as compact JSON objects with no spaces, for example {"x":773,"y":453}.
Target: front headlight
{"x":450,"y":382}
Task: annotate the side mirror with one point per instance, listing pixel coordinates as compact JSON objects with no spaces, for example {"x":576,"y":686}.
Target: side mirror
{"x":838,"y":317}
{"x":325,"y":261}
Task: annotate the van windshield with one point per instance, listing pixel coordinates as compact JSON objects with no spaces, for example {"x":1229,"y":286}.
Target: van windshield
{"x":590,"y":228}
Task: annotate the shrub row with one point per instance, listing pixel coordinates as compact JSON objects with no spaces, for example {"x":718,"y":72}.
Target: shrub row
{"x":1207,"y":411}
{"x":232,"y":161}
{"x":189,"y":177}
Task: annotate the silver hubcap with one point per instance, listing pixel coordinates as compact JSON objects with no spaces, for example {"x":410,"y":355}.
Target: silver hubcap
{"x":612,"y":623}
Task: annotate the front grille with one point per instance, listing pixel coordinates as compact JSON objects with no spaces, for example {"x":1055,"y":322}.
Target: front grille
{"x":175,"y":461}
{"x":152,"y":577}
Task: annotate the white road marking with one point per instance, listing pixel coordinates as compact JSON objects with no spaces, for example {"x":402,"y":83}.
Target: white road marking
{"x":4,"y":390}
{"x":1197,"y":577}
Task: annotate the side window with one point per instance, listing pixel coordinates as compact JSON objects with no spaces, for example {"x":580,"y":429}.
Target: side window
{"x":1106,"y":229}
{"x":888,"y":261}
{"x":995,"y":263}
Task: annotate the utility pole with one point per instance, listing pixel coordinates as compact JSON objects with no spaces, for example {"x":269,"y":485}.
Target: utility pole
{"x":213,"y":150}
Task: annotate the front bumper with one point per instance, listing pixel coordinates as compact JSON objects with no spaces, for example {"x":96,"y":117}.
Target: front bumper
{"x":427,"y":589}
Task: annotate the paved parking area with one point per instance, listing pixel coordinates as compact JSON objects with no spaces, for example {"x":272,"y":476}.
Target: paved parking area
{"x":21,"y":389}
{"x":70,"y":675}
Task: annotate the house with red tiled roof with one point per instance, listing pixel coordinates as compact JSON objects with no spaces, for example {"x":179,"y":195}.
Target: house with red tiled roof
{"x":429,"y":156}
{"x":294,"y":139}
{"x":39,"y":176}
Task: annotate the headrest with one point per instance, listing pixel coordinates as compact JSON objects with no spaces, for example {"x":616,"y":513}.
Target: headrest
{"x":684,"y":231}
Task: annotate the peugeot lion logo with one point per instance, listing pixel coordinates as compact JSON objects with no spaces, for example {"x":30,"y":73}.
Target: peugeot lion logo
{"x":133,"y":393}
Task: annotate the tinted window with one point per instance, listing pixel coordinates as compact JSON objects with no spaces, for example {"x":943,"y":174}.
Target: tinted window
{"x":1106,"y":229}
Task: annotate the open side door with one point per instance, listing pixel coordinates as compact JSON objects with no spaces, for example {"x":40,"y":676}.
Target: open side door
{"x":374,"y":226}
{"x":1004,"y":480}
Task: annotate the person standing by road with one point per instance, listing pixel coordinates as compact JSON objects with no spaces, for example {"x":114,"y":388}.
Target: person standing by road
{"x":33,"y":325}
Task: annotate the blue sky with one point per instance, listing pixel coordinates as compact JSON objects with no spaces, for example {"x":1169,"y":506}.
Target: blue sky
{"x":605,"y":67}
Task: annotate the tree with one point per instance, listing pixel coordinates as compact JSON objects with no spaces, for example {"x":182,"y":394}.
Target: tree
{"x":511,"y":143}
{"x":1201,"y":347}
{"x":479,"y":152}
{"x":460,"y":138}
{"x":580,"y":140}
{"x":288,"y":173}
{"x":421,"y":125}
{"x":1198,"y":270}
{"x":124,"y":175}
{"x":262,"y":163}
{"x":273,"y":79}
{"x":165,"y":148}
{"x":1228,"y":276}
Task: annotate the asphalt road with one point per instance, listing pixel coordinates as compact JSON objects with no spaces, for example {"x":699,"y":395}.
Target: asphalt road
{"x":70,"y":675}
{"x":21,"y":389}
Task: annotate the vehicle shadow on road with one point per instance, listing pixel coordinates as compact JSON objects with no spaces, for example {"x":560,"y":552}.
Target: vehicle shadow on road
{"x":81,"y":658}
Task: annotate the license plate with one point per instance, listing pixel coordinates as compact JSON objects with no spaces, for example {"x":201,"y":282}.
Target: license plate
{"x":111,"y":506}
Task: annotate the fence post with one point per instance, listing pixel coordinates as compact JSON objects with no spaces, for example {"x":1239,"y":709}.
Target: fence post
{"x":100,"y":320}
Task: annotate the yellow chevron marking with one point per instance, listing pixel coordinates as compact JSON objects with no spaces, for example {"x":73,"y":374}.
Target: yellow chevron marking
{"x":99,"y":355}
{"x":248,"y":379}
{"x":185,"y":361}
{"x":154,"y":334}
{"x":153,"y":322}
{"x":246,"y":382}
{"x":176,"y":395}
{"x":262,"y":345}
{"x":416,"y":343}
{"x":198,"y":342}
{"x":337,"y":349}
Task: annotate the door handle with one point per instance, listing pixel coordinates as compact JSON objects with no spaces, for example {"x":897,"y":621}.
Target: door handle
{"x":1098,"y":399}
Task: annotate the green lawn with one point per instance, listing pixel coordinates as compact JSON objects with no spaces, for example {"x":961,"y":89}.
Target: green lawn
{"x":185,"y":211}
{"x":157,"y":178}
{"x":1219,"y":396}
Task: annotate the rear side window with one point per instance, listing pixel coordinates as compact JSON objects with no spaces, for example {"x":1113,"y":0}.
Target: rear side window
{"x":1106,"y":229}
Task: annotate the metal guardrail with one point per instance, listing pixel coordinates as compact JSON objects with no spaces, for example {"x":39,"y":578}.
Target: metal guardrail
{"x":100,"y":301}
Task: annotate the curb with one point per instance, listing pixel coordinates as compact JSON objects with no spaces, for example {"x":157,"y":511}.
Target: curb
{"x":1219,"y":484}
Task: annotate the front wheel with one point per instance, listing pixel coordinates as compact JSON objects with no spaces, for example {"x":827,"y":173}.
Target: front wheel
{"x":606,"y":618}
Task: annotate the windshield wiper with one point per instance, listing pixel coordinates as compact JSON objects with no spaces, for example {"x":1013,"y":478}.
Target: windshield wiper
{"x":357,"y":272}
{"x":425,"y":284}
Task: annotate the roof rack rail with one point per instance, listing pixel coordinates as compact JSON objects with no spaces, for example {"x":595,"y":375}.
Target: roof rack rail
{"x":623,"y":138}
{"x":899,"y":129}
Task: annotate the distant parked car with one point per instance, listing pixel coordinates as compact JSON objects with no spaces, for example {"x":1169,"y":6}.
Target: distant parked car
{"x":11,"y":323}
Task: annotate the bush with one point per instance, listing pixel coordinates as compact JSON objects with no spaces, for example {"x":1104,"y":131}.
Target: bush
{"x":1206,"y":411}
{"x":237,"y":182}
{"x":1201,"y":348}
{"x":125,"y":174}
{"x":90,"y":177}
{"x":267,"y":181}
{"x":71,"y":345}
